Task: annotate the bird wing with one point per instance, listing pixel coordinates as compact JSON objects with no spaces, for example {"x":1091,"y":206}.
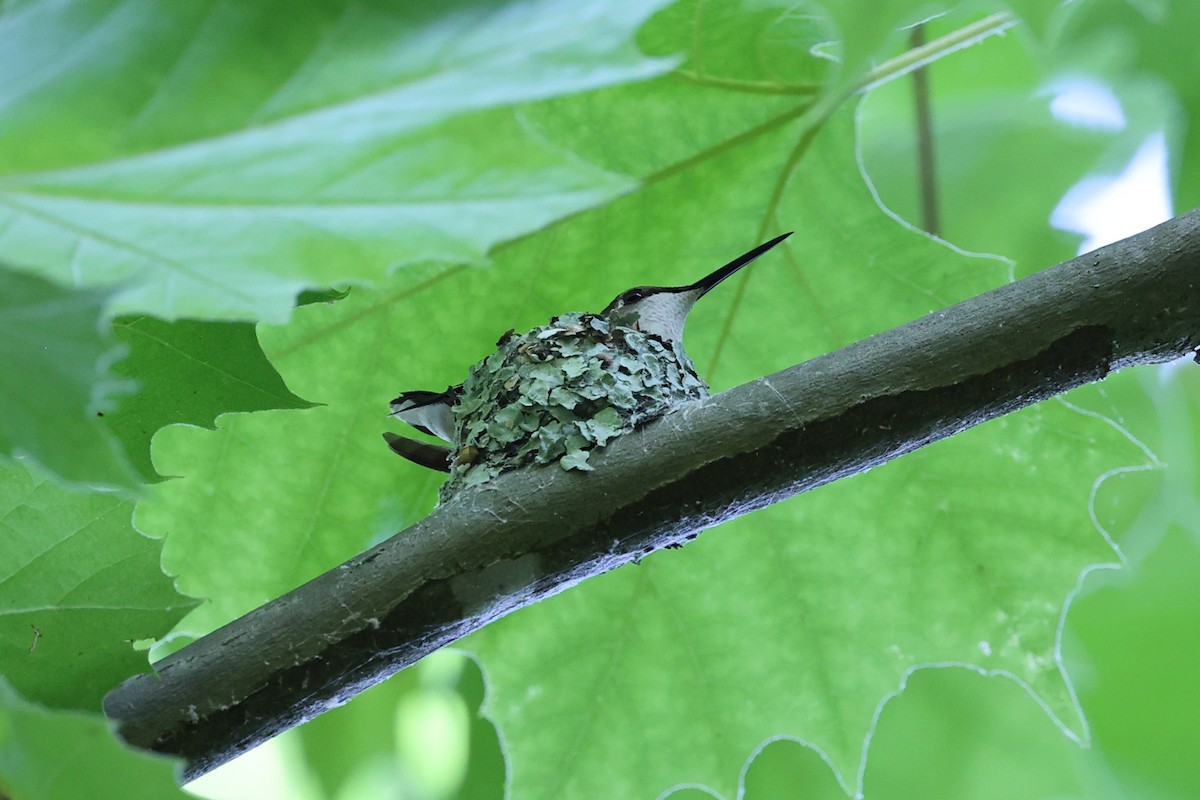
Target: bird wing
{"x":428,"y":412}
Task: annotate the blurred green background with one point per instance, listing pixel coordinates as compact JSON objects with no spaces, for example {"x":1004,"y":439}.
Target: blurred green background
{"x":229,"y":234}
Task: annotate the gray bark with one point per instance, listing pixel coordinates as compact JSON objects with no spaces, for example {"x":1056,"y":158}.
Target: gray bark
{"x":537,"y":531}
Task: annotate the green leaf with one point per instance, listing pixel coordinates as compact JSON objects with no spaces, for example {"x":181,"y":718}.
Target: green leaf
{"x":868,"y":28}
{"x":366,"y":735}
{"x":310,"y":296}
{"x":61,"y":755}
{"x":781,"y":46}
{"x":340,"y":744}
{"x":777,"y":604}
{"x":994,"y":134}
{"x":715,"y":38}
{"x":947,"y":732}
{"x":55,"y":383}
{"x":78,"y":586}
{"x":793,"y":622}
{"x":320,"y":482}
{"x":1124,"y":628}
{"x":576,"y":459}
{"x":804,"y":615}
{"x":1042,"y":17}
{"x":190,"y":372}
{"x":951,"y":731}
{"x":288,"y":151}
{"x":1145,"y":50}
{"x":784,"y":769}
{"x":945,"y":736}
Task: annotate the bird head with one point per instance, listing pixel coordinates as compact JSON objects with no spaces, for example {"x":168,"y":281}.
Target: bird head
{"x":663,"y":310}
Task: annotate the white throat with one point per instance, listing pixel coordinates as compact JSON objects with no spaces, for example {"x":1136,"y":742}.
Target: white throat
{"x":665,"y":313}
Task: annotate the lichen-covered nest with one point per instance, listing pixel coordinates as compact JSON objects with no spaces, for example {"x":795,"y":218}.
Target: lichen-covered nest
{"x":561,"y":390}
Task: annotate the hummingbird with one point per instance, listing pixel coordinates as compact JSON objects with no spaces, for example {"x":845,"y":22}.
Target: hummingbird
{"x":659,"y":311}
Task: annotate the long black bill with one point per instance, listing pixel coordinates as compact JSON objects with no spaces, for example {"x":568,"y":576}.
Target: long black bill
{"x":709,"y":282}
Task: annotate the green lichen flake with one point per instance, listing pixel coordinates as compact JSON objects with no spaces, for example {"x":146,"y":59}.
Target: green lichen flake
{"x":559,"y":391}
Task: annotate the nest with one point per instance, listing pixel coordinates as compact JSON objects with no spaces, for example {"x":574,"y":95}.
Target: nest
{"x":560,"y":391}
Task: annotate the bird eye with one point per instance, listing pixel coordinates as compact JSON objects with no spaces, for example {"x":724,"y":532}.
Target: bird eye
{"x":633,"y":295}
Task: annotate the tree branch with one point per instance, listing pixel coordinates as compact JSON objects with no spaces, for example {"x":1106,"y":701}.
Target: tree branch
{"x":532,"y":533}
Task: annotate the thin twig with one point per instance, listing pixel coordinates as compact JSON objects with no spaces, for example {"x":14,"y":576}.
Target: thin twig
{"x":916,"y":57}
{"x":938,"y":48}
{"x":927,"y":184}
